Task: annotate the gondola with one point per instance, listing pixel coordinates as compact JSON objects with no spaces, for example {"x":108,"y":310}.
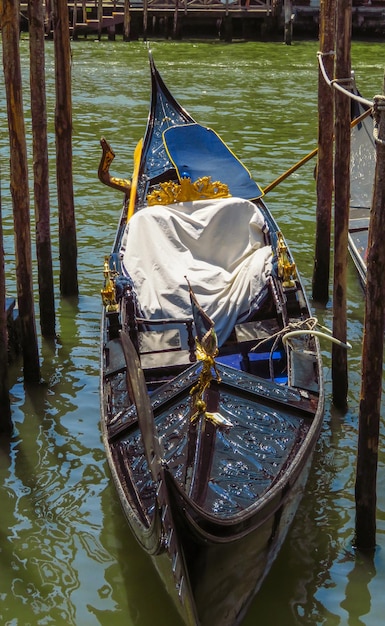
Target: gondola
{"x":211,"y":382}
{"x":362,"y":167}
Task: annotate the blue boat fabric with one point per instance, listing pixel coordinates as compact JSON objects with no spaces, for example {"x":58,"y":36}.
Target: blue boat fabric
{"x":219,"y":245}
{"x":197,"y":151}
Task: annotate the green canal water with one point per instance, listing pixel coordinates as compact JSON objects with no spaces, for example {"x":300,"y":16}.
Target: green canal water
{"x":66,"y":554}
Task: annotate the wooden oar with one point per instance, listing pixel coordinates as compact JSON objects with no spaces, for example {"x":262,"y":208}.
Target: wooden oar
{"x":138,"y":391}
{"x":134,"y":182}
{"x":163,"y":524}
{"x":309,"y":156}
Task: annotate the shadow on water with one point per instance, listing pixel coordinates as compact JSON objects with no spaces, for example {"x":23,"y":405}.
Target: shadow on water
{"x":134,"y":584}
{"x":357,"y":602}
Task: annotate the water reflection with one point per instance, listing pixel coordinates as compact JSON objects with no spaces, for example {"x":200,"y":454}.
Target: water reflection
{"x":54,"y":487}
{"x":357,"y":602}
{"x":136,"y":589}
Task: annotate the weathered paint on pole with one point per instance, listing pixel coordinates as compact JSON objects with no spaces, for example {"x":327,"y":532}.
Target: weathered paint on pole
{"x":63,"y":130}
{"x":19,"y":188}
{"x":372,"y":351}
{"x":41,"y":168}
{"x":321,"y":274}
{"x":341,"y":202}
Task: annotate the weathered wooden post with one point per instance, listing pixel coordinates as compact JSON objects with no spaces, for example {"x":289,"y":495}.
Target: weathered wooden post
{"x":372,"y":350}
{"x":227,"y":25}
{"x":100,"y":18}
{"x":288,"y":21}
{"x":19,"y":188}
{"x":5,"y":404}
{"x":41,"y":168}
{"x":63,"y":130}
{"x":126,"y":21}
{"x":321,"y":272}
{"x":175,"y":21}
{"x":48,"y":17}
{"x":74,"y":20}
{"x":145,"y":19}
{"x":341,"y":202}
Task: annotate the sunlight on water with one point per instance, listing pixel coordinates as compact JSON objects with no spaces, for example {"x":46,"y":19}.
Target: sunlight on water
{"x":66,"y":554}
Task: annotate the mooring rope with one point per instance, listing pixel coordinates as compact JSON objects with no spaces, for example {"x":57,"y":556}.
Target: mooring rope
{"x":303,"y":327}
{"x":379,"y":106}
{"x":338,"y":82}
{"x":297,"y":329}
{"x":316,"y":333}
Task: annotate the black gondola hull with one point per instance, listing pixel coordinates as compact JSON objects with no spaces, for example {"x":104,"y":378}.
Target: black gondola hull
{"x":209,"y":447}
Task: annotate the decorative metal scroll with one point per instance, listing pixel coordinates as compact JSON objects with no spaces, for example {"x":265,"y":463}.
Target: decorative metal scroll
{"x":286,"y":269}
{"x":108,"y":292}
{"x":187,"y":191}
{"x":104,"y":174}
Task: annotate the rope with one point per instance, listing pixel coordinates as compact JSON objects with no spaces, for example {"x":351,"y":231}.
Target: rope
{"x":378,"y":108}
{"x":305,"y":325}
{"x":315,"y":333}
{"x":337,"y":82}
{"x":297,"y":329}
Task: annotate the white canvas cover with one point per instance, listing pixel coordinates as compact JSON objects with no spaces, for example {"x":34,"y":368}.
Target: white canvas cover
{"x":217,"y":244}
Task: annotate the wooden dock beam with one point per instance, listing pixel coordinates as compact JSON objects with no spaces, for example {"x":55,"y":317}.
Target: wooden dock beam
{"x":250,"y":19}
{"x":167,"y":18}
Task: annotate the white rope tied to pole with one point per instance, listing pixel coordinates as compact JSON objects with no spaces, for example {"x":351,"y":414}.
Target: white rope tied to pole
{"x":336,"y":82}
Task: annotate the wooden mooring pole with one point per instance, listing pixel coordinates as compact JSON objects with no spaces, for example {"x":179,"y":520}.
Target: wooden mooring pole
{"x":175,"y":27}
{"x":127,"y":21}
{"x":63,"y":130}
{"x":40,"y":168}
{"x":145,"y":19}
{"x":100,"y":18}
{"x":288,"y":22}
{"x":19,"y":188}
{"x":321,"y":274}
{"x":372,"y":351}
{"x":48,"y":18}
{"x":341,"y":203}
{"x":74,"y":20}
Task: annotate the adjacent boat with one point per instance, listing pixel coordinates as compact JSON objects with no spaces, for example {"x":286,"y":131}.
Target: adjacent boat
{"x":362,"y":168}
{"x":211,"y":388}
